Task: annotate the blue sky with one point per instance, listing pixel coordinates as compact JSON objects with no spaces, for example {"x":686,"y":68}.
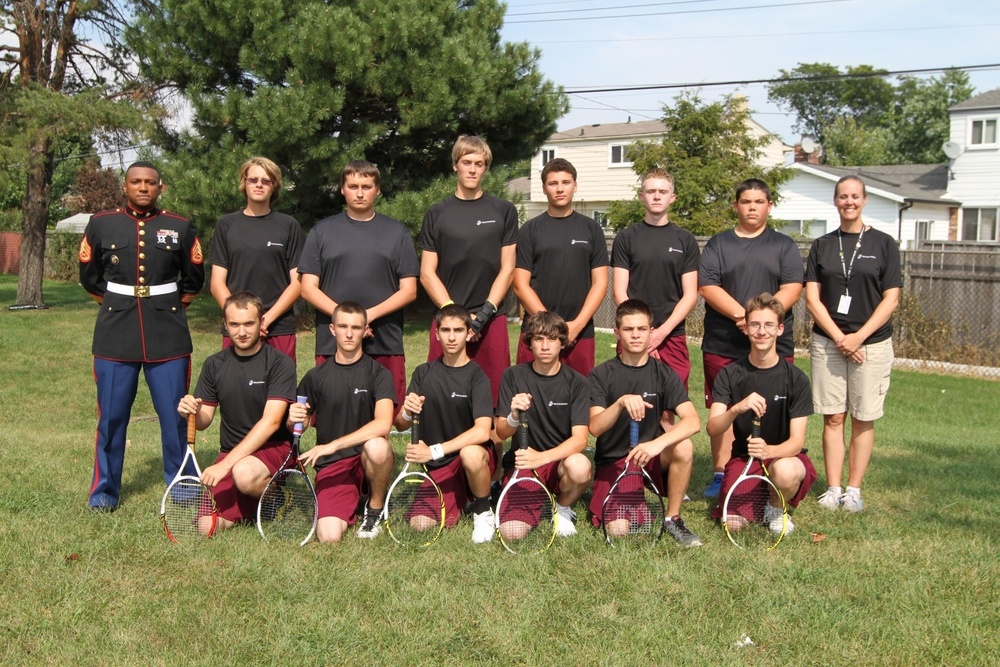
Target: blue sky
{"x":747,"y":39}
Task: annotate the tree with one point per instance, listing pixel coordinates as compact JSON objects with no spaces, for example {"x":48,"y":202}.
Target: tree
{"x":313,"y":84}
{"x":56,"y":85}
{"x":819,"y":93}
{"x":860,"y":118}
{"x":708,"y":149}
{"x":849,"y":143}
{"x":94,"y":189}
{"x":922,"y":120}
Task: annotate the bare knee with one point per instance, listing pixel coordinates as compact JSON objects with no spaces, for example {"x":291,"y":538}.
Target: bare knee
{"x":834,"y":421}
{"x":377,"y":452}
{"x":576,"y":468}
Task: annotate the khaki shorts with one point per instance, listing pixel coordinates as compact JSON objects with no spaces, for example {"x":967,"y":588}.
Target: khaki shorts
{"x":840,"y":385}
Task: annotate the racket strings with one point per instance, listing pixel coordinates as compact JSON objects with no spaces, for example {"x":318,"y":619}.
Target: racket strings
{"x":747,"y":519}
{"x":526,"y":516}
{"x":189,"y":510}
{"x":414,"y":510}
{"x":287,"y":508}
{"x":633,"y":509}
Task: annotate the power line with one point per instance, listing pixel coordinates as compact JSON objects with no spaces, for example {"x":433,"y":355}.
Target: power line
{"x":604,"y":9}
{"x":759,"y":35}
{"x":813,"y":79}
{"x":685,"y":11}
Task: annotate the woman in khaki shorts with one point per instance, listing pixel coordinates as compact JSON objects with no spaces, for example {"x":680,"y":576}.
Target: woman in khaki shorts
{"x":853,"y":281}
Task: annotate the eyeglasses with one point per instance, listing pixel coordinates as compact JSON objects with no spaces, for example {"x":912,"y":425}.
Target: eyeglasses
{"x":769,"y":327}
{"x":266,"y":182}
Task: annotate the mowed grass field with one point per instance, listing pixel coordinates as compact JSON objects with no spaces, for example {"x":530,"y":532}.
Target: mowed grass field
{"x":914,"y":580}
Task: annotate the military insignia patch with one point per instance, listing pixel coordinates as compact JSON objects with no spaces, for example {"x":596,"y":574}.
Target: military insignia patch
{"x":85,"y":251}
{"x":196,"y":255}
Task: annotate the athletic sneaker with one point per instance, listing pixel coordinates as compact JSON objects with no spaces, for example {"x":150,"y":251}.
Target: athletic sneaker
{"x":851,"y":501}
{"x":831,"y":498}
{"x":484,"y":525}
{"x":715,"y":486}
{"x":773,"y":519}
{"x":371,"y":523}
{"x":681,"y":533}
{"x":566,"y":525}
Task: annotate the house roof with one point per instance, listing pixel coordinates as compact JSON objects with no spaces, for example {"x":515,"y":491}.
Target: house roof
{"x":987,"y":100}
{"x":521,"y":184}
{"x":610,"y":130}
{"x":914,"y":182}
{"x":74,"y":223}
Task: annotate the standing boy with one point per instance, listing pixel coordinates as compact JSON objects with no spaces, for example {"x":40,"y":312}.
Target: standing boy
{"x":562,"y":267}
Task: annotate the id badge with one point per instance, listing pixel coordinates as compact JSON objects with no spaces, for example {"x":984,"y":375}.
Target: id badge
{"x":844,"y":305}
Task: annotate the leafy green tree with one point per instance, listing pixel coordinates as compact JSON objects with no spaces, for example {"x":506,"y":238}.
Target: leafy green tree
{"x":922,"y":123}
{"x":849,"y":143}
{"x":314,"y":84}
{"x":861,"y":118}
{"x":819,"y":93}
{"x":709,"y":149}
{"x":65,"y":74}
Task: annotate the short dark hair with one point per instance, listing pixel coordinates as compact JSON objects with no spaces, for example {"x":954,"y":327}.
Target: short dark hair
{"x":362,"y":168}
{"x":142,"y":164}
{"x":765,"y":301}
{"x":632,"y":307}
{"x":453,"y":310}
{"x":558,"y":164}
{"x":349,"y":308}
{"x":243,"y":300}
{"x":753,"y":184}
{"x":545,"y":323}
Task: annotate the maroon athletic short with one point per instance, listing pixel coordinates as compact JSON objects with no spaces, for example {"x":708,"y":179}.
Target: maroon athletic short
{"x":338,"y":488}
{"x":735,"y":467}
{"x":236,"y":506}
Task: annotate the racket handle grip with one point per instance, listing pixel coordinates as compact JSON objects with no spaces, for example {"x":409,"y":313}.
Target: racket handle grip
{"x":298,"y":428}
{"x":633,"y":433}
{"x":522,"y":439}
{"x":755,"y":427}
{"x":192,"y":427}
{"x":415,"y":430}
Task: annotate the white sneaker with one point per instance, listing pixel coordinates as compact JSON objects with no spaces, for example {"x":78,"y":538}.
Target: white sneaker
{"x":566,"y":523}
{"x":831,"y":499}
{"x":851,"y":501}
{"x":777,"y":521}
{"x":484,"y":525}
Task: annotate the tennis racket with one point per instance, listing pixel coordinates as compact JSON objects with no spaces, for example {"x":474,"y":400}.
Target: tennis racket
{"x":287,"y":510}
{"x":414,"y":508}
{"x":188,"y":508}
{"x":754,"y":511}
{"x":633,"y":510}
{"x":526,"y":517}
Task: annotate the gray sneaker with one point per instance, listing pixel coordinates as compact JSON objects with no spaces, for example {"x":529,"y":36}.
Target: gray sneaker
{"x":681,"y":533}
{"x":851,"y":502}
{"x":830,"y":499}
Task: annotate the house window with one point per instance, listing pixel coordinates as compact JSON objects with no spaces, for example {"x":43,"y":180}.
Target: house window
{"x":984,"y":132}
{"x":979,"y":224}
{"x":924,"y":229}
{"x":617,"y":157}
{"x":548,"y":155}
{"x":809,"y":229}
{"x":601,"y":218}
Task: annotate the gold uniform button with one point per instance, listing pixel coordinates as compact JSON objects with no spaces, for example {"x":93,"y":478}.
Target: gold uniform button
{"x":142,"y":280}
{"x":142,"y":268}
{"x":142,"y":255}
{"x":114,"y":247}
{"x":142,"y":244}
{"x":141,"y":223}
{"x":174,"y":309}
{"x":169,"y":248}
{"x":142,"y":232}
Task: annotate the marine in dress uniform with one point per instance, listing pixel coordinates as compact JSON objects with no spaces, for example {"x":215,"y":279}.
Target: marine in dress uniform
{"x":143,"y":266}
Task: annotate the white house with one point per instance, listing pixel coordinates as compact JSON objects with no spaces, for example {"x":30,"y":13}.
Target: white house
{"x":604,"y":174}
{"x":907,"y":201}
{"x":955,"y":201}
{"x":975,"y":171}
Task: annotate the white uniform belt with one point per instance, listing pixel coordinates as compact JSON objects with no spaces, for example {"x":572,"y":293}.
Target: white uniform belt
{"x":142,"y":290}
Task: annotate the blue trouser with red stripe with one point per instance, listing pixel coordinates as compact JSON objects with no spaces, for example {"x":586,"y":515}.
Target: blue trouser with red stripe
{"x":117,"y":384}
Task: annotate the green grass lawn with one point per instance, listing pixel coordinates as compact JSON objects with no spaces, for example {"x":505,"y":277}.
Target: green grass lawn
{"x":912,"y":581}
